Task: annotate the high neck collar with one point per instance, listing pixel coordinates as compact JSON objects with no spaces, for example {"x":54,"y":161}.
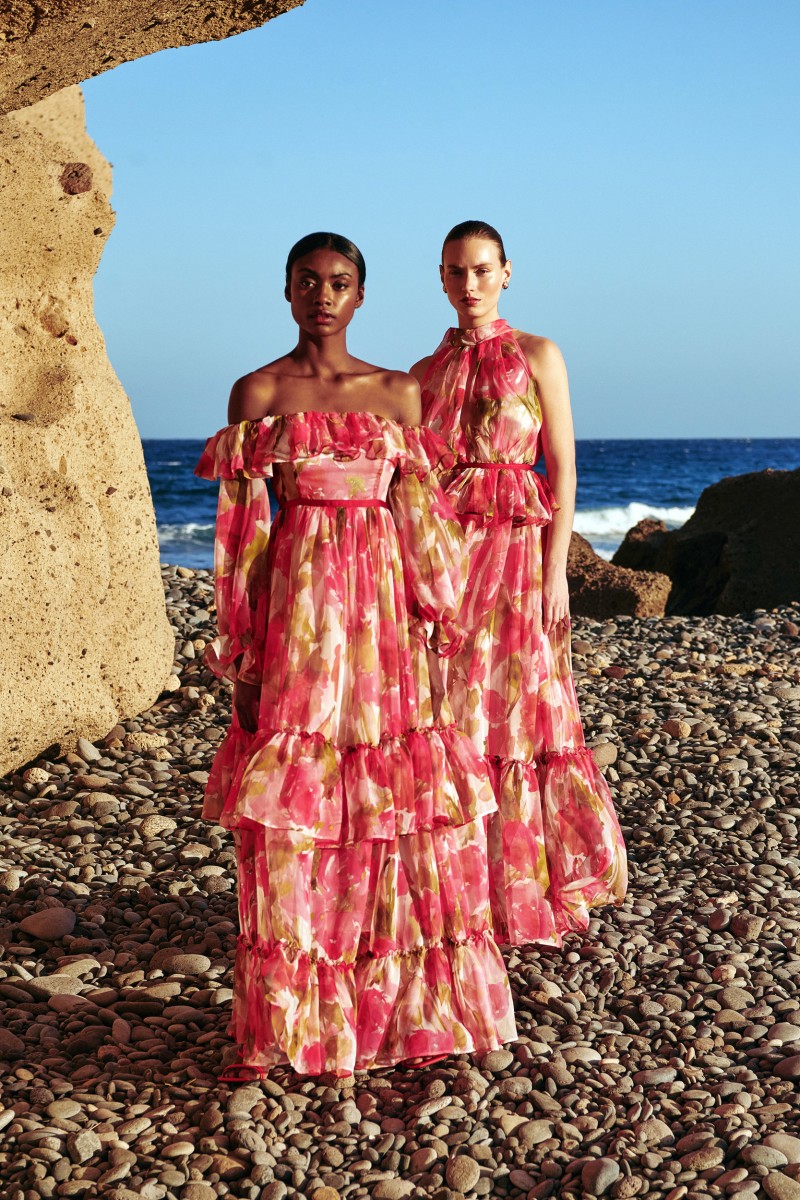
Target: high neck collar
{"x":482,"y":333}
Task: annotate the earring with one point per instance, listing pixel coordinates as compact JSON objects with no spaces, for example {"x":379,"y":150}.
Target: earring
{"x":444,"y":289}
{"x":505,"y":285}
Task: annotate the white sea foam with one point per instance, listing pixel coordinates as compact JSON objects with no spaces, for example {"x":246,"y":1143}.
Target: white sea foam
{"x":192,"y":531}
{"x":606,"y":527}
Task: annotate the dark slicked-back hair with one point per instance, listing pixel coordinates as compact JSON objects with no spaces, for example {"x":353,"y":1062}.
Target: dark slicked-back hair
{"x":481,"y":229}
{"x":326,"y":241}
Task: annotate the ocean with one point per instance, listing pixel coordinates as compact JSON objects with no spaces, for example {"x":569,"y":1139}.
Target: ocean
{"x":619,"y":482}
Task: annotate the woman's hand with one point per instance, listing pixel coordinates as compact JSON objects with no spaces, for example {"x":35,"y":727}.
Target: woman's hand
{"x":555,"y":598}
{"x":245,"y":702}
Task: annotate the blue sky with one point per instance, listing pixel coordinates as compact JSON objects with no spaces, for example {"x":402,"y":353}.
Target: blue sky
{"x":640,"y":158}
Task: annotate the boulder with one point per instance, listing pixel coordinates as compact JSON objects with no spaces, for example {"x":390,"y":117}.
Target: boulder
{"x":738,"y":551}
{"x":600,"y":589}
{"x":640,"y":546}
{"x":85,"y":639}
{"x":55,"y":43}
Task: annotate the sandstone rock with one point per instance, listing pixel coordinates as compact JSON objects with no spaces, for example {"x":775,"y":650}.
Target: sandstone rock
{"x":36,"y":775}
{"x":599,"y":589}
{"x":85,"y":637}
{"x":49,"y":924}
{"x":739,"y":550}
{"x":58,"y":44}
{"x":155,"y":825}
{"x":144,"y":743}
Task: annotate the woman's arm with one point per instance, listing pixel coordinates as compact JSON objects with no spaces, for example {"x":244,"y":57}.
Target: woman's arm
{"x":558,"y":442}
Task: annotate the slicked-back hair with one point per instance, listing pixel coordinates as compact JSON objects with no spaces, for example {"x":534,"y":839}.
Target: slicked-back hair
{"x":480,"y":229}
{"x":326,"y":241}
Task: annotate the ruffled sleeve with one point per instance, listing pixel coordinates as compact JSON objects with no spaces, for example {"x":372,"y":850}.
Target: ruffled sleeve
{"x":430,"y":537}
{"x":240,"y":544}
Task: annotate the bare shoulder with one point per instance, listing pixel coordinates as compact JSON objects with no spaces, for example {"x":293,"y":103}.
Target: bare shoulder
{"x":252,"y":396}
{"x":420,"y":368}
{"x":404,"y":396}
{"x":543,"y":355}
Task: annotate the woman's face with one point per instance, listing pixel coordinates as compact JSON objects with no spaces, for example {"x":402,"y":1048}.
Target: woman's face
{"x":473,"y":278}
{"x":324,"y":292}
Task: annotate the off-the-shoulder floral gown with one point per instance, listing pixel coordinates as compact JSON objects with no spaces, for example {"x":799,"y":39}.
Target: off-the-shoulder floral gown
{"x":555,"y":847}
{"x":365,"y":924}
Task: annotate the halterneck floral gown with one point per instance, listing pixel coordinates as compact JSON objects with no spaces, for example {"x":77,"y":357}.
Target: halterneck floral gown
{"x":365,"y":923}
{"x":555,"y":847}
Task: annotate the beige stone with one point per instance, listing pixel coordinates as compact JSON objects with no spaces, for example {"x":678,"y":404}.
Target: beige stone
{"x":85,"y":640}
{"x":50,"y":44}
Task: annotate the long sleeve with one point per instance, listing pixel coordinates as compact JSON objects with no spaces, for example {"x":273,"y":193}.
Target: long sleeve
{"x":431,"y":547}
{"x":242,"y":534}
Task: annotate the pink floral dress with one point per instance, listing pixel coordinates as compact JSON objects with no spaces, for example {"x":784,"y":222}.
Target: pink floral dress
{"x":363,"y":887}
{"x":555,"y":847}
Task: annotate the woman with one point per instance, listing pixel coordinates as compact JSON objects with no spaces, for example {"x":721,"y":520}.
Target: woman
{"x":363,"y":892}
{"x":498,"y":397}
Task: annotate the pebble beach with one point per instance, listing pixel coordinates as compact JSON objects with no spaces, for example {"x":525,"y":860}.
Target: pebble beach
{"x":658,"y":1051}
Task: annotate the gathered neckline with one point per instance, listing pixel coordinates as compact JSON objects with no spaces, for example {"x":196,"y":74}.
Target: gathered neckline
{"x":326,"y":413}
{"x":481,"y":333}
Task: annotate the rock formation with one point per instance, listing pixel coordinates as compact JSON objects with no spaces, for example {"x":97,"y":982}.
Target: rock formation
{"x":738,"y":551}
{"x":599,"y":589}
{"x":50,"y":44}
{"x":640,"y":546}
{"x":84,"y":637}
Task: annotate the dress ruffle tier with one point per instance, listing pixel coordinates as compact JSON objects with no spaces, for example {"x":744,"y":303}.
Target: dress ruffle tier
{"x":495,"y":496}
{"x":554,"y":844}
{"x":359,"y":819}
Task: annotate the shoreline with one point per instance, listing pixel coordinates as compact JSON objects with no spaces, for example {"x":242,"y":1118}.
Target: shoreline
{"x":657,"y":1049}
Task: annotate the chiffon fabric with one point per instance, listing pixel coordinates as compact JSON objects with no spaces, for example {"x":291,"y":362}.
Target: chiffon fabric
{"x":365,"y":922}
{"x":554,"y":843}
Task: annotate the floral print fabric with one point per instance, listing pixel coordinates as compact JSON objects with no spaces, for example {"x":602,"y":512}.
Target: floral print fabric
{"x":359,"y":819}
{"x":554,"y":843}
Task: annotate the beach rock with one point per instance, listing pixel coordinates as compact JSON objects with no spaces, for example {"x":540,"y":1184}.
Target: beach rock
{"x":598,"y":1176}
{"x":787,"y":1143}
{"x":654,"y":1132}
{"x":462,"y":1173}
{"x":155,"y":825}
{"x":639,"y":548}
{"x":11,"y":1046}
{"x":789,"y":1068}
{"x":779,"y":1186}
{"x":740,"y":549}
{"x":85,"y":638}
{"x":599,"y":589}
{"x":49,"y":924}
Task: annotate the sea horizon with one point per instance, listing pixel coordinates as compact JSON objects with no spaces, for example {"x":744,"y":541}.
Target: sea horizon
{"x":620,"y":482}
